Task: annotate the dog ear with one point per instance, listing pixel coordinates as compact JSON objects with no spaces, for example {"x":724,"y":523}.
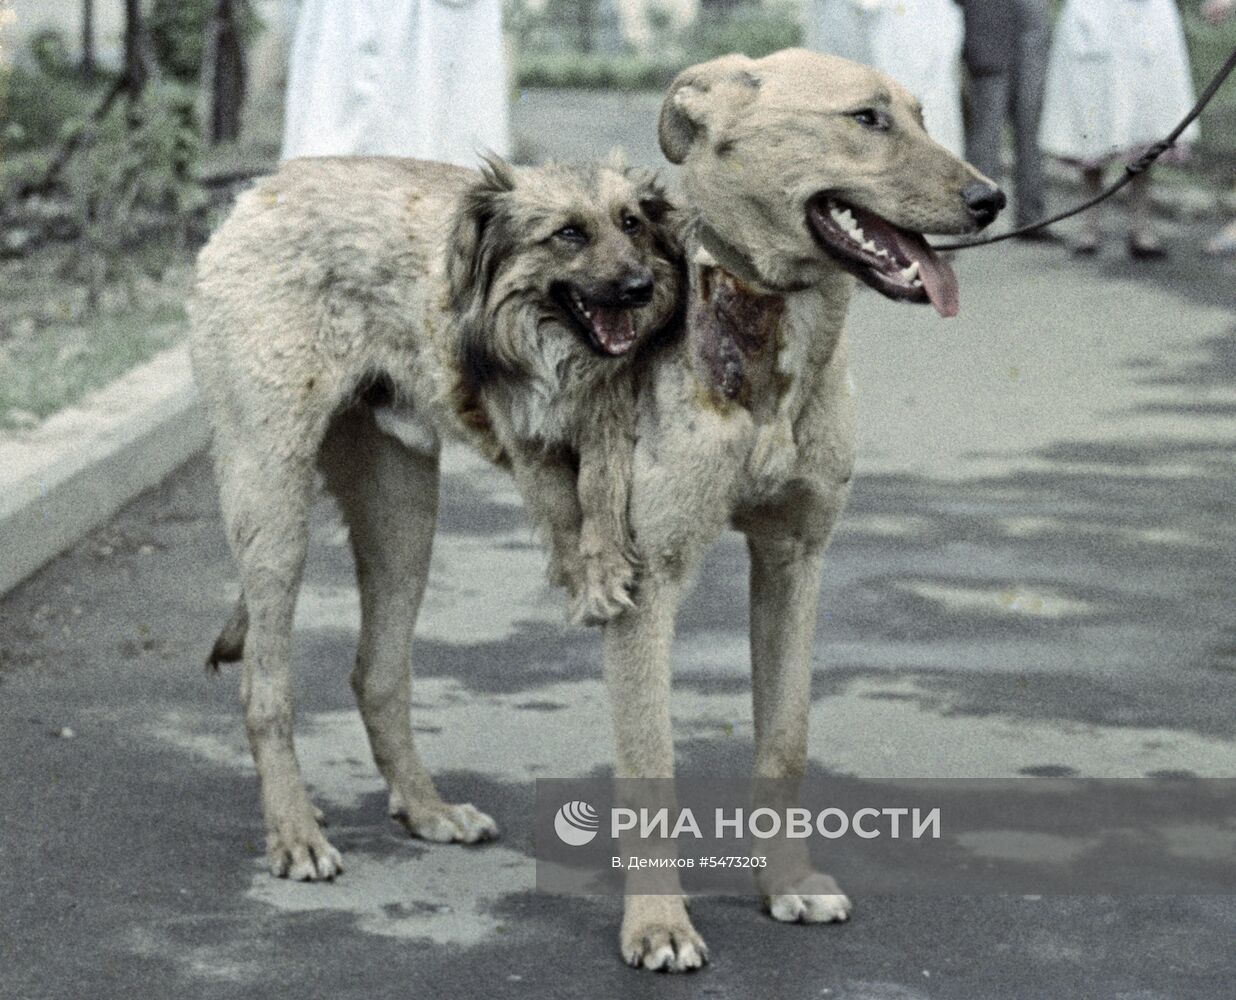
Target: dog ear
{"x":666,"y":223}
{"x":469,"y":265}
{"x":697,"y":95}
{"x":476,"y":236}
{"x":649,"y":193}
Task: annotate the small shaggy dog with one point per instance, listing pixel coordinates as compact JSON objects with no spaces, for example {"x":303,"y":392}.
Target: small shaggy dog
{"x":510,"y":307}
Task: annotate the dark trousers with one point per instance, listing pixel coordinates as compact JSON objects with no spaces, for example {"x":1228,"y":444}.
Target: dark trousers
{"x":1006,"y":53}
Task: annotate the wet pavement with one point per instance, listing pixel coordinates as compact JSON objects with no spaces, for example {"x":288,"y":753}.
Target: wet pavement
{"x":1034,"y":576}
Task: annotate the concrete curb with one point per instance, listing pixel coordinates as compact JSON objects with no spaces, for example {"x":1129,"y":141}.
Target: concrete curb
{"x":72,"y":473}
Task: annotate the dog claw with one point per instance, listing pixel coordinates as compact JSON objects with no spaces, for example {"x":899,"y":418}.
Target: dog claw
{"x":605,"y":591}
{"x":666,"y":949}
{"x":303,"y":858}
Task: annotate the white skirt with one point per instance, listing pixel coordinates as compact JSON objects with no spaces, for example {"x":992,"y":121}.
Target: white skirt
{"x":916,"y":42}
{"x":1118,"y":80}
{"x":422,"y":78}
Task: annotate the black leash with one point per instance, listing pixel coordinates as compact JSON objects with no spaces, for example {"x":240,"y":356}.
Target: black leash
{"x":1131,"y":170}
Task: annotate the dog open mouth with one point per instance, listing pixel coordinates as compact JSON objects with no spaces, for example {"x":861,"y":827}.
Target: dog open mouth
{"x":893,"y":261}
{"x":610,"y":329}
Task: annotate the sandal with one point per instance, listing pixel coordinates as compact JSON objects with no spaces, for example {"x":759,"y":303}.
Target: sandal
{"x":1224,"y":241}
{"x":1087,"y":246}
{"x":1146,"y":248}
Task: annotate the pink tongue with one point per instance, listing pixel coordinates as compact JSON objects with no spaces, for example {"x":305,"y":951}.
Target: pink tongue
{"x":614,"y":329}
{"x":939,"y":281}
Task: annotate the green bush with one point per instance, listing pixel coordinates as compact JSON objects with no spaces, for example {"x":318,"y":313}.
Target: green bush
{"x":549,"y":54}
{"x":754,"y":31}
{"x":178,"y":34}
{"x":132,"y":180}
{"x":50,"y":52}
{"x":36,"y":108}
{"x":595,"y":71}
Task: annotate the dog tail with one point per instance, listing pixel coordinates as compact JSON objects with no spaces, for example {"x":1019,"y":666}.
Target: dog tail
{"x":230,"y":646}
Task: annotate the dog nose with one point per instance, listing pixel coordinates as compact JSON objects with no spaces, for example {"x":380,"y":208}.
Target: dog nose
{"x":984,"y":201}
{"x":635,"y":290}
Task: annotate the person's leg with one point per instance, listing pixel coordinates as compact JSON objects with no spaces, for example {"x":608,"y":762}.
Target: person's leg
{"x":1143,"y":242}
{"x":985,"y":131}
{"x":1029,"y":76}
{"x":1092,"y":233}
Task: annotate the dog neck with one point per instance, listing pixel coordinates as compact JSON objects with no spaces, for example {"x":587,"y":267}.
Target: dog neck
{"x":734,"y":336}
{"x":736,"y":261}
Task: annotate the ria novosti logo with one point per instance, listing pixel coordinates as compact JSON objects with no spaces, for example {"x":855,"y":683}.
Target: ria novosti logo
{"x":576,"y":823}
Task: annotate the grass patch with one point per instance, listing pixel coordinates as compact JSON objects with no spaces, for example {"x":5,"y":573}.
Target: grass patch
{"x":52,"y":352}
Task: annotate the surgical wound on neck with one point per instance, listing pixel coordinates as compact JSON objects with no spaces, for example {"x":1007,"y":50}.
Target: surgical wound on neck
{"x":733,"y":333}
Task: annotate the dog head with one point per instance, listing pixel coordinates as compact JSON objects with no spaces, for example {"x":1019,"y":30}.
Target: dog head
{"x":805,"y":162}
{"x":584,"y":257}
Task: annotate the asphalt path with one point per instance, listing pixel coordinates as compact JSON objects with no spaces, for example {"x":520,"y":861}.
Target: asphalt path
{"x":1034,"y":576}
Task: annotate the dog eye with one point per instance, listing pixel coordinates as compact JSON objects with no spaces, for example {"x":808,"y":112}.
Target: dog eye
{"x":871,"y":118}
{"x":631,"y":224}
{"x":571,"y":234}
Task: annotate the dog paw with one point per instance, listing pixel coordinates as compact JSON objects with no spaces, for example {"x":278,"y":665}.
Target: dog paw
{"x":604,"y":592}
{"x":670,"y":947}
{"x":817,"y":899}
{"x":302,"y":854}
{"x":657,"y":935}
{"x":445,"y":824}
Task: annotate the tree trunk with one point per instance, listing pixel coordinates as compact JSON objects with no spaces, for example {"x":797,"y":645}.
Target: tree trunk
{"x":224,"y":74}
{"x":585,"y":23}
{"x":135,"y":69}
{"x":87,"y":66}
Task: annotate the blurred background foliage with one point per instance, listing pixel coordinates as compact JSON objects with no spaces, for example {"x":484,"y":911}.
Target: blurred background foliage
{"x":557,"y":43}
{"x":577,"y":44}
{"x":95,"y":264}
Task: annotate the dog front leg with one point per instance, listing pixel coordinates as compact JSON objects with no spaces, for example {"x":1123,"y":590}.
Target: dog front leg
{"x":605,"y":548}
{"x":547,"y":484}
{"x":656,"y":931}
{"x":785,"y":590}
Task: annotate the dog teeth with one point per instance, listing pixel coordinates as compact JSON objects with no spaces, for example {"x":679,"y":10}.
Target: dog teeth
{"x":843,"y":216}
{"x":911,"y":273}
{"x":845,"y":219}
{"x":916,"y":283}
{"x":870,"y":246}
{"x":579,"y":304}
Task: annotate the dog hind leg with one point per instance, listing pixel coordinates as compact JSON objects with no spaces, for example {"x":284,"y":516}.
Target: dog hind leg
{"x":265,"y":497}
{"x":388,"y":495}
